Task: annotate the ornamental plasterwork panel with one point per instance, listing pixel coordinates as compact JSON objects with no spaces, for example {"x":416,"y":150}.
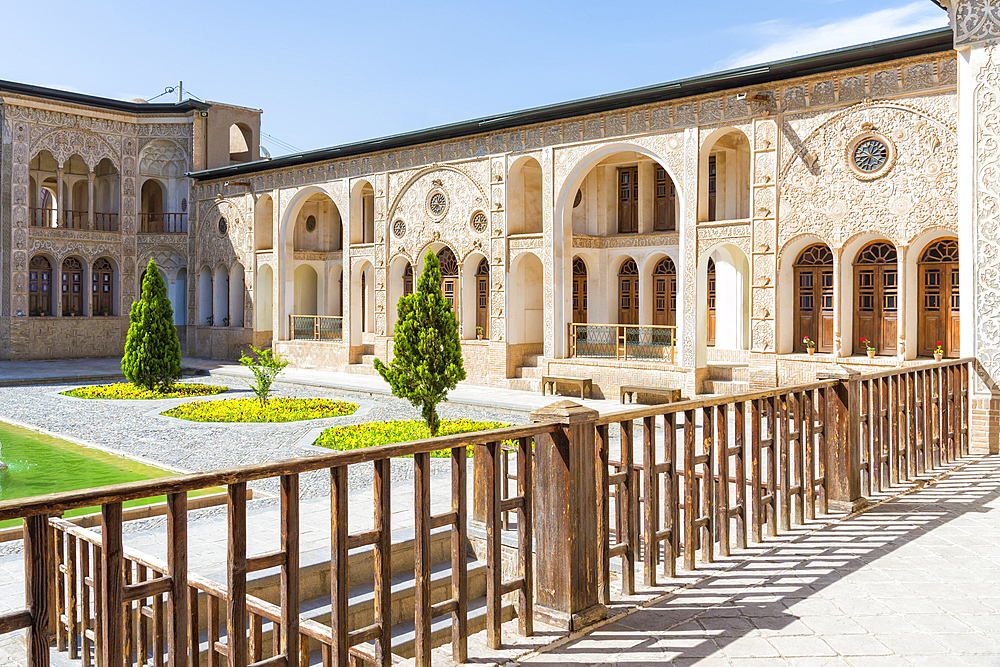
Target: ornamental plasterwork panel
{"x":821,"y":195}
{"x":162,"y":157}
{"x":305,"y":255}
{"x":464,"y":195}
{"x":176,"y":240}
{"x":63,"y":143}
{"x":975,"y":21}
{"x":215,"y":248}
{"x":986,"y":193}
{"x":626,"y":241}
{"x":77,"y":236}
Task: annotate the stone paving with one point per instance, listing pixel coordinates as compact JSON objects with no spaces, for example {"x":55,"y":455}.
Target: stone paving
{"x":913,"y":581}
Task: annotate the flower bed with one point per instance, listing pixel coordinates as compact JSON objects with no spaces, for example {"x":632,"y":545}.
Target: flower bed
{"x":251,"y":410}
{"x":127,"y":390}
{"x":358,"y":436}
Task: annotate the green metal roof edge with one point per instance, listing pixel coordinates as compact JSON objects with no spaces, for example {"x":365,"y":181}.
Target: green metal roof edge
{"x":916,"y":44}
{"x":101,"y":102}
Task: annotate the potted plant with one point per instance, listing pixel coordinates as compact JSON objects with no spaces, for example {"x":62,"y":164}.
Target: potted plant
{"x":938,"y":352}
{"x":869,"y":347}
{"x":810,"y":345}
{"x":225,"y":321}
{"x":479,"y":333}
{"x":209,"y":321}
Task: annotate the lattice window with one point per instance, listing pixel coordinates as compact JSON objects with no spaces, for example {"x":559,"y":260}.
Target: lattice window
{"x":879,"y":252}
{"x":102,"y":287}
{"x":818,"y":254}
{"x":39,"y":286}
{"x":941,"y":251}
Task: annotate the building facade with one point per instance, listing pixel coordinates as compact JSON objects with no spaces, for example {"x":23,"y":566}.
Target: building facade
{"x":702,"y":234}
{"x":92,"y":189}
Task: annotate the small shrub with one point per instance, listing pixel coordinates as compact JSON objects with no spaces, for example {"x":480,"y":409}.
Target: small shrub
{"x":265,"y":366}
{"x":128,"y":391}
{"x":251,"y":410}
{"x":358,"y":436}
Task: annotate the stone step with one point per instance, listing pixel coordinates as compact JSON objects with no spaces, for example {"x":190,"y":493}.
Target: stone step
{"x":530,"y":360}
{"x":727,"y":387}
{"x":525,"y":384}
{"x":533,"y":372}
{"x":360,"y":369}
{"x":729,"y":372}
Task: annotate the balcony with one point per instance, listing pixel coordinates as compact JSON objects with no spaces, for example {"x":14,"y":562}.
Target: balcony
{"x":48,"y":218}
{"x":163,"y":223}
{"x":316,"y":327}
{"x":623,"y":342}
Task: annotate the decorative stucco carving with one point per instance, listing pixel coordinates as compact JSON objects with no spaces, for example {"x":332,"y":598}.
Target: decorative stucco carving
{"x":975,"y":21}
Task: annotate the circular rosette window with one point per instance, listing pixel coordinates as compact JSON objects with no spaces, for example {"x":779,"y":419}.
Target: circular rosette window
{"x":437,"y":203}
{"x":870,"y":156}
{"x":399,"y":229}
{"x":480,"y":222}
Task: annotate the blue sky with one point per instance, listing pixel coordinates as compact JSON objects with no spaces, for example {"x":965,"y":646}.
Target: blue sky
{"x":327,"y":73}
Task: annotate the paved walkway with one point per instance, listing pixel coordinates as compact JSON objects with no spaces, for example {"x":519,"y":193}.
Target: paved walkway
{"x":913,"y":581}
{"x":70,"y":370}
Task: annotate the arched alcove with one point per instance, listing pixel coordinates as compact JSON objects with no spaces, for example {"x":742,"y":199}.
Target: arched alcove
{"x":263,"y":223}
{"x":317,"y":225}
{"x":306,"y":290}
{"x":362,"y":213}
{"x":724,"y":178}
{"x":526,"y":315}
{"x":220,"y":297}
{"x":524,"y":197}
{"x":237,"y":295}
{"x":264,"y":298}
{"x":205,"y":297}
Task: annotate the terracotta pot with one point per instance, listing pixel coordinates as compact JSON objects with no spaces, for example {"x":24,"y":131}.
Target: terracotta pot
{"x":938,"y":356}
{"x":811,"y":350}
{"x":871,"y":354}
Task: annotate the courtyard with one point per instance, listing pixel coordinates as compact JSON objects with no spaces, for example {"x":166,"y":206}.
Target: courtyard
{"x":910,"y":581}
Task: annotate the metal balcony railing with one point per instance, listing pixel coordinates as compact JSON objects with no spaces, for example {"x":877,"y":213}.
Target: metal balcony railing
{"x":316,"y":327}
{"x":623,"y":342}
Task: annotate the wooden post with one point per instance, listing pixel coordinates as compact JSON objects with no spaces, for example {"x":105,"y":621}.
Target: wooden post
{"x":236,"y":601}
{"x":177,"y":555}
{"x":36,"y":588}
{"x":289,"y":571}
{"x":112,"y":594}
{"x":843,"y":447}
{"x":565,"y":519}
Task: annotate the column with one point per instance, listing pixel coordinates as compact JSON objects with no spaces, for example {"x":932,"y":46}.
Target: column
{"x":60,"y":199}
{"x":838,"y":295}
{"x":90,"y":199}
{"x":646,"y":197}
{"x":976,"y":24}
{"x":692,"y":353}
{"x":902,"y":299}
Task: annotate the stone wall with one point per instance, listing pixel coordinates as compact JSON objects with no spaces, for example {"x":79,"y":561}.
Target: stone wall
{"x":312,"y":354}
{"x":225,"y":343}
{"x":66,"y":337}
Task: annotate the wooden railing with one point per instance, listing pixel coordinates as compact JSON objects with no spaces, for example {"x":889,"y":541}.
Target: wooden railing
{"x":48,"y":217}
{"x":622,"y":341}
{"x":718,"y":473}
{"x":97,"y":574}
{"x":316,"y":327}
{"x":163,"y":223}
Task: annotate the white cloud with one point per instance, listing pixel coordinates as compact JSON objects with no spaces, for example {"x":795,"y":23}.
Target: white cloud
{"x":787,"y":40}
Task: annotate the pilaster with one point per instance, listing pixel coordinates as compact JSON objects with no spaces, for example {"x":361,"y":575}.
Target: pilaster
{"x":763,"y":235}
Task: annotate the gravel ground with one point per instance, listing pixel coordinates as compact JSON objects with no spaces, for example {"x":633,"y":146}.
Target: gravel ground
{"x":135,"y":428}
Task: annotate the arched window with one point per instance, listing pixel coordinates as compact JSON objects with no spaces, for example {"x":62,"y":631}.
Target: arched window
{"x":102,"y":288}
{"x":483,"y":299}
{"x":628,"y":293}
{"x":408,"y":279}
{"x":710,"y":319}
{"x":579,"y":291}
{"x":665,"y":293}
{"x":938,"y":299}
{"x":72,"y":287}
{"x":449,"y":275}
{"x":876,"y":285}
{"x":39,"y":287}
{"x":814,"y":298}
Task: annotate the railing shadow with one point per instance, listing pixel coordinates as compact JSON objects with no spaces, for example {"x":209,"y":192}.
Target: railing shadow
{"x":801,"y":590}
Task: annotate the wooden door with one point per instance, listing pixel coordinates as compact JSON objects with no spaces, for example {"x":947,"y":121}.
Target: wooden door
{"x":579,"y":291}
{"x":39,"y":286}
{"x":72,"y":287}
{"x":876,"y":285}
{"x":664,"y":198}
{"x":102,"y":277}
{"x":937,"y":299}
{"x":665,"y":293}
{"x":483,"y":299}
{"x":628,"y":200}
{"x":628,"y":293}
{"x":814,"y":298}
{"x":712,"y":166}
{"x":408,"y":279}
{"x":710,"y":319}
{"x":449,"y":276}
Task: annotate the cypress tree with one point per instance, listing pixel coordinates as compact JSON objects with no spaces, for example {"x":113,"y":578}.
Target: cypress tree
{"x":152,"y":352}
{"x":427,"y":354}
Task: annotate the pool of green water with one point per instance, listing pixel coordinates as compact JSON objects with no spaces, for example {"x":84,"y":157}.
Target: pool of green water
{"x":38,"y":464}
